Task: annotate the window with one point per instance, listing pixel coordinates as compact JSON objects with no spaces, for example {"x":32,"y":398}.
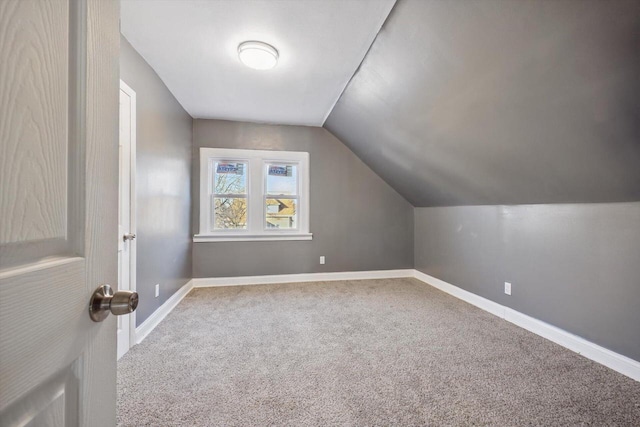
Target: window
{"x":253,"y":195}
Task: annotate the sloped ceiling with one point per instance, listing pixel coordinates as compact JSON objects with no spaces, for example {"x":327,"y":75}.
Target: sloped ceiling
{"x":193,"y":46}
{"x":500,"y":102}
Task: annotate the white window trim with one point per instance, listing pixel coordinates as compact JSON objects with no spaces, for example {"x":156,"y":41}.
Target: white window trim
{"x":256,"y":230}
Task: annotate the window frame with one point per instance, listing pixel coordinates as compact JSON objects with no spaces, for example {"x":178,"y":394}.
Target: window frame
{"x":257,"y":161}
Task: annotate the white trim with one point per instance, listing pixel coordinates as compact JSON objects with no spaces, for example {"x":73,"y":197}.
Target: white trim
{"x":304,"y":277}
{"x":615,"y":361}
{"x":252,"y":238}
{"x":255,"y":160}
{"x":133,"y":245}
{"x":473,"y":299}
{"x":606,"y":357}
{"x":161,"y":312}
{"x":132,"y":207}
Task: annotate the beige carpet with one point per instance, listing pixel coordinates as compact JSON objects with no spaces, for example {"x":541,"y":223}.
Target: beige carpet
{"x":358,"y":353}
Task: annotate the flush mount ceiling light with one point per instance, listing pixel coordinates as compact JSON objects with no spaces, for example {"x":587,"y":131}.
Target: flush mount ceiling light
{"x":258,"y":55}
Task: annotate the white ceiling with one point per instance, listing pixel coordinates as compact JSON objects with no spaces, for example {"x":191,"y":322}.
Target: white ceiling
{"x":192,"y":45}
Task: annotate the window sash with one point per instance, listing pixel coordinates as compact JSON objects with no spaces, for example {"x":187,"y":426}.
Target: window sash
{"x":264,"y":213}
{"x":212,"y":167}
{"x":266,"y":195}
{"x":265,"y":172}
{"x":212,"y":227}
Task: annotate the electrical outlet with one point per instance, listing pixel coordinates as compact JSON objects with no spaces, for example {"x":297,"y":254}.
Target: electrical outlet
{"x":157,"y":290}
{"x":322,"y":259}
{"x":507,"y":288}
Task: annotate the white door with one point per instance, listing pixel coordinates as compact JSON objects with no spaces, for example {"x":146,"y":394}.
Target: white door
{"x":58,"y":210}
{"x":126,"y":213}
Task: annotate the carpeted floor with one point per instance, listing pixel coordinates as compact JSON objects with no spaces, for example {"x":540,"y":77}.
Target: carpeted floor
{"x":358,"y":353}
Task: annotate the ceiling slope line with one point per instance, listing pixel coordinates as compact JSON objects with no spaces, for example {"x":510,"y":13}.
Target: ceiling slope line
{"x":346,"y":85}
{"x":146,"y":62}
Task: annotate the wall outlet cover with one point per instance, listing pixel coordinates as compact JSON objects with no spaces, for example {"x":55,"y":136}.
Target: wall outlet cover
{"x":322,"y":259}
{"x":507,"y":288}
{"x":157,"y":290}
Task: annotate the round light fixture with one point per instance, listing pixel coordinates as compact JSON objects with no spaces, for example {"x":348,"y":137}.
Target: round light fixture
{"x":258,"y":55}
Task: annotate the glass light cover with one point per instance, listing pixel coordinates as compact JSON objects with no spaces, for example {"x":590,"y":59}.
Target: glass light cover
{"x":258,"y":55}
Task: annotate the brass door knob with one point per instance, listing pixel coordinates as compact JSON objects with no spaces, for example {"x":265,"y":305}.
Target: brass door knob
{"x":105,"y":301}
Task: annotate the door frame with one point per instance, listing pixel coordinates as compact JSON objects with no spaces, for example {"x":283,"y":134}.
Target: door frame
{"x":132,"y":206}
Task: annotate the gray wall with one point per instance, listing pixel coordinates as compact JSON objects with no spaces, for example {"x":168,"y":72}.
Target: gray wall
{"x":163,"y":202}
{"x":575,"y":266}
{"x":358,"y":222}
{"x":500,"y":102}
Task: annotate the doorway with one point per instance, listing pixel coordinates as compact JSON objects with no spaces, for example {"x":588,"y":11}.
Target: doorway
{"x":126,"y":213}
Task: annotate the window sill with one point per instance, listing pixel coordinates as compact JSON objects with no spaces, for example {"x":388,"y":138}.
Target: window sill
{"x":251,"y":238}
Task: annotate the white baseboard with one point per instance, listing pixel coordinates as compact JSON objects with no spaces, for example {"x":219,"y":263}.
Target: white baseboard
{"x":152,"y":321}
{"x":473,"y":299}
{"x":608,"y":358}
{"x":615,"y":361}
{"x":305,"y":277}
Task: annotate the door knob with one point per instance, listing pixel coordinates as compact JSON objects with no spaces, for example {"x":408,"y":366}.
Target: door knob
{"x":104,"y":300}
{"x":128,"y":237}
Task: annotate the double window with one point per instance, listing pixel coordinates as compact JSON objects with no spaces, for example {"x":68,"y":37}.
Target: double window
{"x":253,"y":195}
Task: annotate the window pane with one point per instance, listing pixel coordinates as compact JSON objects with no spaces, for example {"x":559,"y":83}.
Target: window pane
{"x":229,"y":213}
{"x":282,"y":179}
{"x":282,"y":213}
{"x":230,"y":178}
